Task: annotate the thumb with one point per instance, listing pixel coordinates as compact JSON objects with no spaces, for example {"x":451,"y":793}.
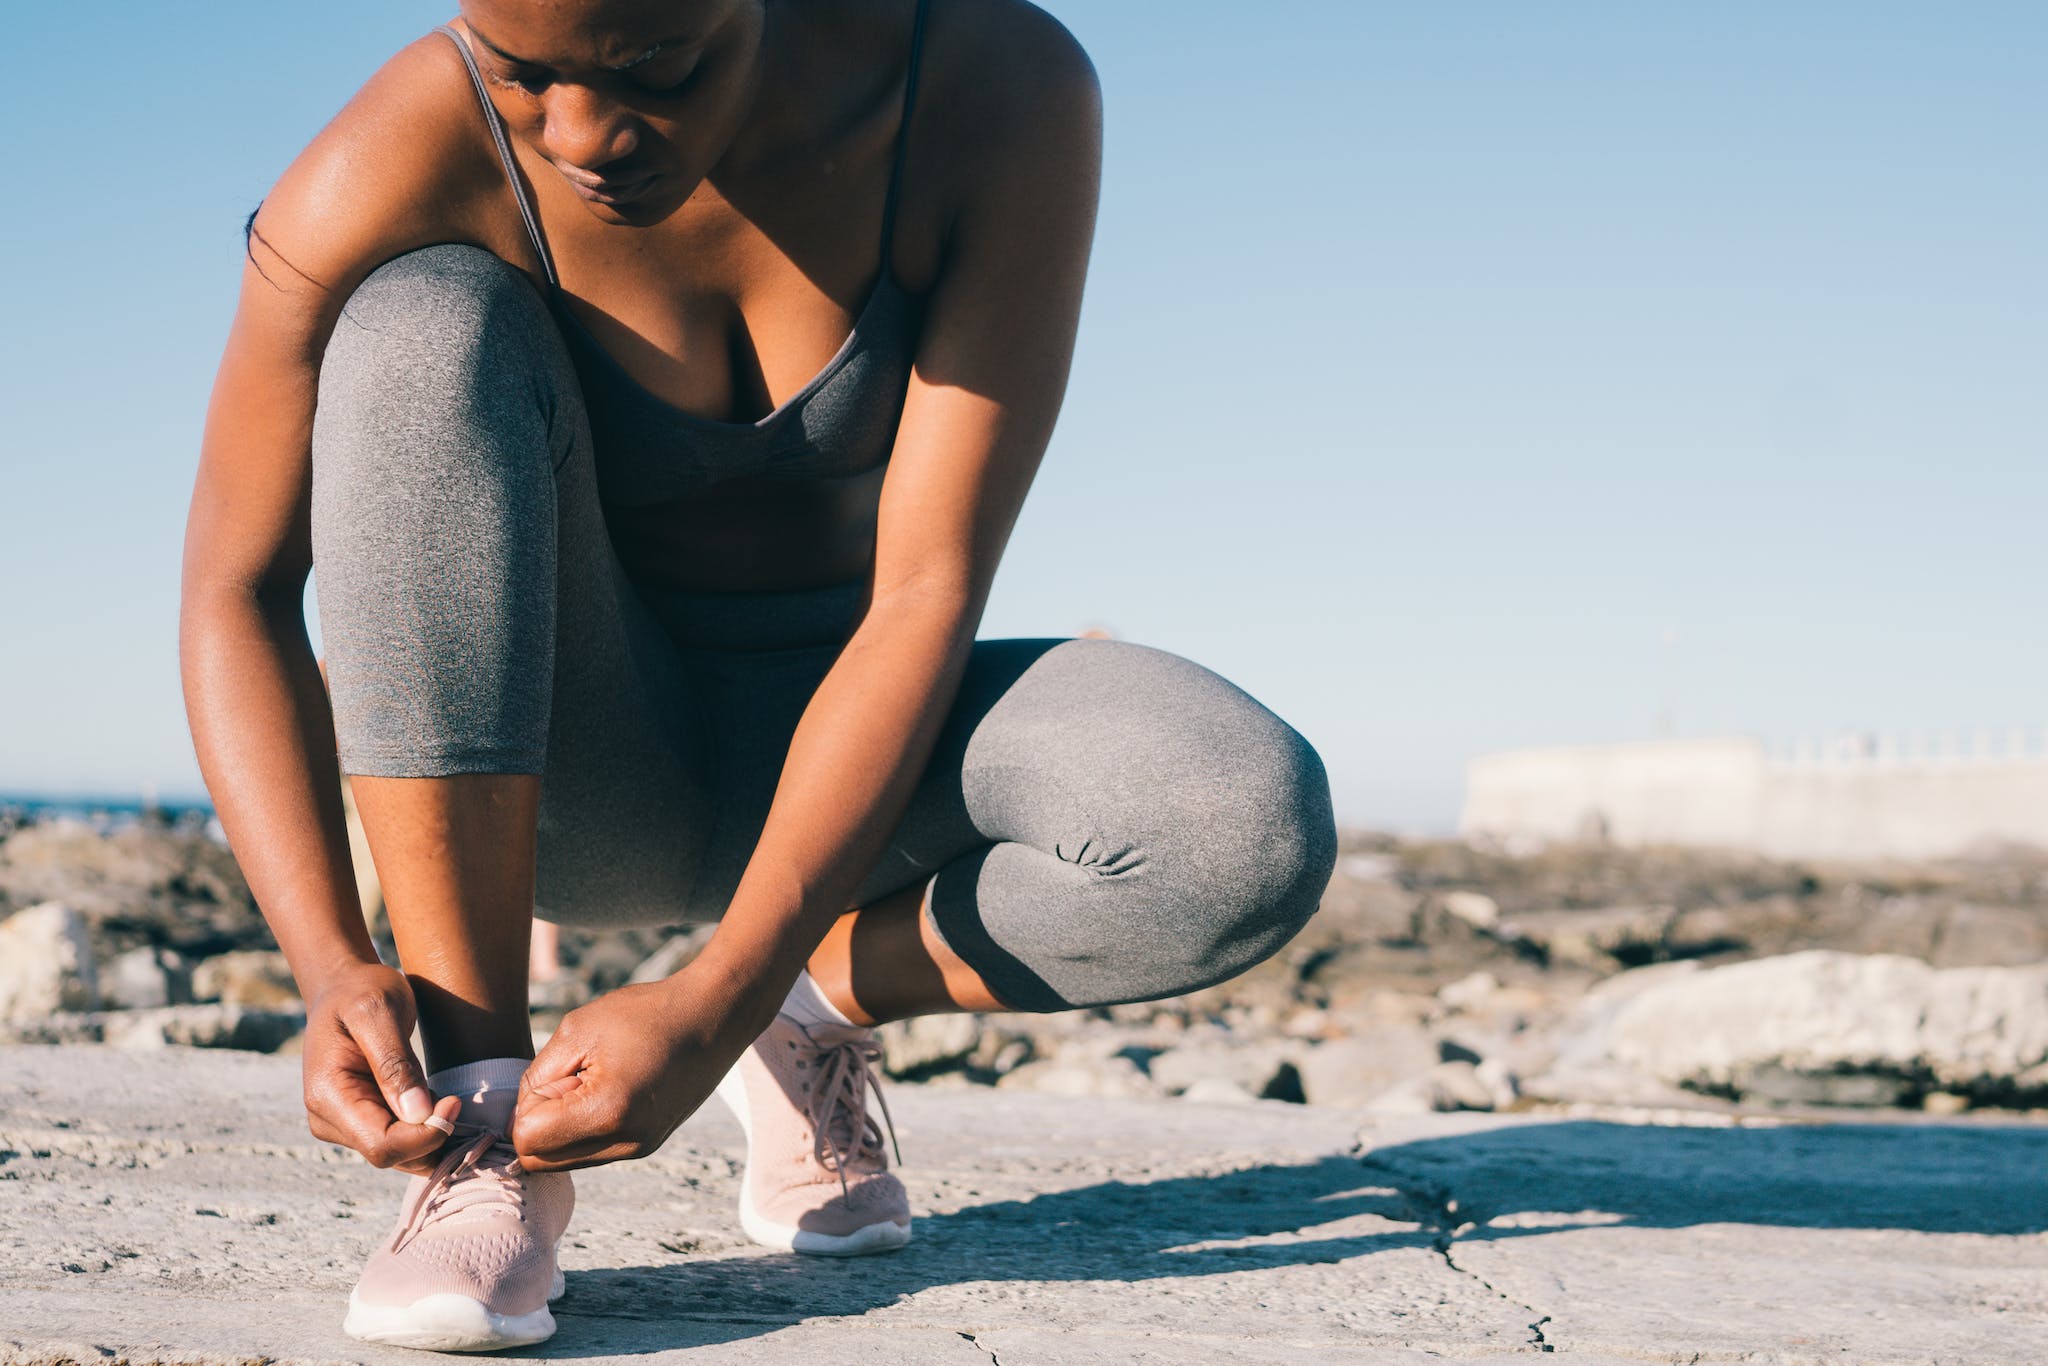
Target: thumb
{"x":389,"y":1054}
{"x":552,"y":1099}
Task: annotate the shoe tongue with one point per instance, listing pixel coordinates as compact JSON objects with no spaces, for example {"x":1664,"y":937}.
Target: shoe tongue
{"x":830,"y":1034}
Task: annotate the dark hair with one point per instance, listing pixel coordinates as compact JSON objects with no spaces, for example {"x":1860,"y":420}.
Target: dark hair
{"x":250,"y":236}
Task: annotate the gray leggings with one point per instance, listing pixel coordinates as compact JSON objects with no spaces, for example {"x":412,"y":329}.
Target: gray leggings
{"x":1106,"y":821}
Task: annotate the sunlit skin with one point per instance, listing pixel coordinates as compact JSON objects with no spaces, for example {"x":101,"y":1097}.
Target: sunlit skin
{"x":767,"y":129}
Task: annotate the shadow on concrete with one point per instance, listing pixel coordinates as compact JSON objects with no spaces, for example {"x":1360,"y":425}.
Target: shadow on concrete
{"x":1928,"y":1178}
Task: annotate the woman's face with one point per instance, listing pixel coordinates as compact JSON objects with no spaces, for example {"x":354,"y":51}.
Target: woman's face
{"x":632,"y":101}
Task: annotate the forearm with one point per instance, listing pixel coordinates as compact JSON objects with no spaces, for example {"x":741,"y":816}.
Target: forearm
{"x":853,"y":762}
{"x":264,"y":736}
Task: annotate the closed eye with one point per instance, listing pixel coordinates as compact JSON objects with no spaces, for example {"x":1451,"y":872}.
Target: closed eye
{"x":530,"y":85}
{"x":534,"y":85}
{"x":674,"y":85}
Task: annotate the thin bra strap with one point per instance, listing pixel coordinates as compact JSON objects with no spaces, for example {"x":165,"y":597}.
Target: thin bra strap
{"x":526,"y":209}
{"x":902,"y":135}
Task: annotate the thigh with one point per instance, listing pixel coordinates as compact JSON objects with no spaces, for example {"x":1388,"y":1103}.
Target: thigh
{"x":1057,"y":743}
{"x":625,"y":813}
{"x":475,"y":614}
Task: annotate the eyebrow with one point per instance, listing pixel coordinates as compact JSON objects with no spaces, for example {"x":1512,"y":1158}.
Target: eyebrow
{"x":623,"y":66}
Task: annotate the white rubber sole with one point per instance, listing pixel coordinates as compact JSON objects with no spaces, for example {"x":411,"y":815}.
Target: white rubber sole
{"x":886,"y":1236}
{"x":450,"y":1323}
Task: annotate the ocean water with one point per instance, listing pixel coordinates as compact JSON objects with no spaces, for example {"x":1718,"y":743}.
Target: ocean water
{"x":108,"y":813}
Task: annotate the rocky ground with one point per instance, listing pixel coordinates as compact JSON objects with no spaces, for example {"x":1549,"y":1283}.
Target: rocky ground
{"x":1436,"y":977}
{"x":1613,"y":1105}
{"x":171,"y":1208}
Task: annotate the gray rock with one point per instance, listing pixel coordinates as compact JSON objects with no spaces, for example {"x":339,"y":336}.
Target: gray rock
{"x":1599,"y":939}
{"x":46,"y":962}
{"x":1448,"y":1086}
{"x":1470,"y":992}
{"x":559,"y":996}
{"x":1111,"y":1077}
{"x":929,"y":1044}
{"x":136,"y":886}
{"x":1217,"y":1091}
{"x":1354,"y":1071}
{"x":675,"y":953}
{"x":203,"y":1026}
{"x":1991,"y":936}
{"x":1000,"y":1052}
{"x":144,"y":978}
{"x":256,"y":977}
{"x":63,"y":1026}
{"x":1474,"y":908}
{"x":1259,"y":1068}
{"x":1830,"y":1018}
{"x":1608,"y":1085}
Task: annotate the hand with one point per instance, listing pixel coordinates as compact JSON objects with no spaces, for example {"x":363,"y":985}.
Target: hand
{"x":621,"y":1073}
{"x":364,"y":1088}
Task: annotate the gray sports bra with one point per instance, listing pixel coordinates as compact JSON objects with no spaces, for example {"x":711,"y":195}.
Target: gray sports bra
{"x":841,"y":423}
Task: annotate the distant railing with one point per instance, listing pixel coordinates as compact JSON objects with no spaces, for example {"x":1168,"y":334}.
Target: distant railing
{"x":1982,"y":746}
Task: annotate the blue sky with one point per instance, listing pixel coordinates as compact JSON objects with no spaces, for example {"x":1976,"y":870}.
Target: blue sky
{"x":1439,"y":364}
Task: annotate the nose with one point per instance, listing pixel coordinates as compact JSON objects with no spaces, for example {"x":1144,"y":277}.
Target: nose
{"x":583,"y":130}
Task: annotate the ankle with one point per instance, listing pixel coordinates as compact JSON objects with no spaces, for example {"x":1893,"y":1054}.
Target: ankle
{"x":810,"y":1004}
{"x":489,"y":1088}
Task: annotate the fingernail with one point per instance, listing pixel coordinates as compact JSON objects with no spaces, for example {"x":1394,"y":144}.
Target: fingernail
{"x":446,"y":1126}
{"x":415,"y":1105}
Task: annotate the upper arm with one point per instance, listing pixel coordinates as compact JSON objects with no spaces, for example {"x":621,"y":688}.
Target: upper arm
{"x":998,"y":338}
{"x":390,"y":172}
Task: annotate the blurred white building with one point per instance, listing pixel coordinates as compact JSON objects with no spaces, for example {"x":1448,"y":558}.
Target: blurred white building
{"x":1861,"y":796}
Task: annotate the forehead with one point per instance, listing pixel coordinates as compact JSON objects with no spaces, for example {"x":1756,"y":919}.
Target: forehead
{"x":579,"y":33}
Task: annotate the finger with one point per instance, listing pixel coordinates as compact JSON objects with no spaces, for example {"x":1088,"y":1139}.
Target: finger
{"x":552,"y":1090}
{"x":389,"y":1053}
{"x":589,"y":1148}
{"x":552,"y":1130}
{"x":441,"y":1121}
{"x":358,"y":1111}
{"x":559,"y":1059}
{"x":588,"y":1155}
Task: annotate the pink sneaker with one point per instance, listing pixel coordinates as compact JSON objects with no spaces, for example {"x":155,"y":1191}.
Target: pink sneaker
{"x":470,"y":1265}
{"x":817,"y":1179}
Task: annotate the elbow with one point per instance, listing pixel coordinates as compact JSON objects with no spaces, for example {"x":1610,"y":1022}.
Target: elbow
{"x":210,"y":583}
{"x":930,"y":595}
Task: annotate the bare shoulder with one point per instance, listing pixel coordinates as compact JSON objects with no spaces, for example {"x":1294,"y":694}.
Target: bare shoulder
{"x":1009,"y":121}
{"x":408,"y":161}
{"x":1005,"y":71}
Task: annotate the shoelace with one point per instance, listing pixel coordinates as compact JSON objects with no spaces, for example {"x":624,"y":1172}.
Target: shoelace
{"x":843,"y":1075}
{"x":483,"y":1168}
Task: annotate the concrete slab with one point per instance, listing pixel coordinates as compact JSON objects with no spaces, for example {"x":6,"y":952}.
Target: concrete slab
{"x":1864,"y":1241}
{"x":171,"y":1207}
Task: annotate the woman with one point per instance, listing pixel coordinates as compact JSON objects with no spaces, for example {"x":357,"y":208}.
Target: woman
{"x":653,"y":385}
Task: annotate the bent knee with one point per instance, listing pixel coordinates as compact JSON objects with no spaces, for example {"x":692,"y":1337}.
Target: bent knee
{"x":1234,"y":871}
{"x":449,"y":322}
{"x":443,"y":355}
{"x":1260,"y":862}
{"x":450,"y":292}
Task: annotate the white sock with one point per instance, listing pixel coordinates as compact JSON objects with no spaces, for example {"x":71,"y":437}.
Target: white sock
{"x":809,"y":1005}
{"x":489,"y":1088}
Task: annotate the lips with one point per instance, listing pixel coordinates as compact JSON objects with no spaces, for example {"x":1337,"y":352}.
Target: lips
{"x":611,"y":191}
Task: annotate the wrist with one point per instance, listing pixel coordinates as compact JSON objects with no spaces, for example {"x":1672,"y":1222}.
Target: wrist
{"x":316,"y":971}
{"x":746,"y":989}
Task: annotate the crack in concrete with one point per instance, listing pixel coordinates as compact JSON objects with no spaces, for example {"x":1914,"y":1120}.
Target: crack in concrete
{"x":1436,"y":1209}
{"x":975,"y":1343}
